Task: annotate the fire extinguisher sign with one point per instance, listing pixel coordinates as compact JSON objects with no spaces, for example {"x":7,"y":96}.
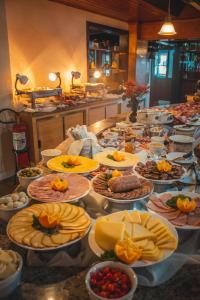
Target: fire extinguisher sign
{"x":19,"y":141}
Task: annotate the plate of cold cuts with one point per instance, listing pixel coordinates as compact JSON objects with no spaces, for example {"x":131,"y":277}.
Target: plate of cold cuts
{"x":182,"y":209}
{"x":59,"y":187}
{"x":121,"y":187}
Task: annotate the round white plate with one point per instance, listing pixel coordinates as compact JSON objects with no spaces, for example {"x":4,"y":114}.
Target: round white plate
{"x":121,"y":201}
{"x":140,"y":263}
{"x":194,"y":123}
{"x":49,"y":248}
{"x":65,"y":201}
{"x":184,"y":128}
{"x":156,"y":181}
{"x":189,"y":194}
{"x":173,"y":155}
{"x":129,"y":162}
{"x":183,"y":139}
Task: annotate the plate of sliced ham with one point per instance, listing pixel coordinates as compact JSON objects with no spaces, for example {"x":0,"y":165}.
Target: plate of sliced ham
{"x":59,"y":188}
{"x":181,"y":215}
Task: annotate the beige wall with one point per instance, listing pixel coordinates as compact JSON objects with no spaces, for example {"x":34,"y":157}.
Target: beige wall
{"x":40,"y":37}
{"x":45,"y":36}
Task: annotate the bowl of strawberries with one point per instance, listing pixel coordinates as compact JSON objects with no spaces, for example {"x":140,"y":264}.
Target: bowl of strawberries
{"x":111,"y":280}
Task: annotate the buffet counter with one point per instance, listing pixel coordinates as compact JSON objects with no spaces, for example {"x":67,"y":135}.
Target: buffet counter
{"x":47,"y":130}
{"x":59,"y":274}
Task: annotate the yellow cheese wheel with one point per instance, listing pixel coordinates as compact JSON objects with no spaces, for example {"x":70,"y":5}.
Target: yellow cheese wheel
{"x":107,"y":234}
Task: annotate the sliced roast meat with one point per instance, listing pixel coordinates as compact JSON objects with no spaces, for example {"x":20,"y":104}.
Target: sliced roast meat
{"x":124,"y":183}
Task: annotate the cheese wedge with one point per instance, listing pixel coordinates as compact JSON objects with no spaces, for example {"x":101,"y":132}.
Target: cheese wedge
{"x":135,"y":217}
{"x":172,"y":245}
{"x":144,"y":218}
{"x":129,"y":229}
{"x":118,"y":216}
{"x":141,"y":233}
{"x":149,"y":246}
{"x":152,"y":223}
{"x":141,"y":244}
{"x":127,"y":217}
{"x":108,"y":233}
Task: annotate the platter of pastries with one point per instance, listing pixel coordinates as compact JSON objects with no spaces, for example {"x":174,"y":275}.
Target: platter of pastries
{"x":121,"y":186}
{"x":72,"y":164}
{"x":117,"y":159}
{"x":161,"y":172}
{"x":48,"y":226}
{"x":59,"y":187}
{"x":182,"y":209}
{"x":133,"y":237}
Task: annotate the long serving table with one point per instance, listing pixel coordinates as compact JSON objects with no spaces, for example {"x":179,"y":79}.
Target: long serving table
{"x":61,"y":274}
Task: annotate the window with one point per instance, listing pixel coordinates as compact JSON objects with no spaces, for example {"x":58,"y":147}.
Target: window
{"x":161,"y":64}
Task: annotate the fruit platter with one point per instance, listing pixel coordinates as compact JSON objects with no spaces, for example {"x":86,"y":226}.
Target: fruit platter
{"x":72,"y":164}
{"x":59,"y":187}
{"x":161,"y":171}
{"x":121,"y":187}
{"x":181,"y":209}
{"x":116,"y":159}
{"x":133,"y":237}
{"x":48,"y":226}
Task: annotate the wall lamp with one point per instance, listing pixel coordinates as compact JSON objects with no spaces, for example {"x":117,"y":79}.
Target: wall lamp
{"x":53,"y":76}
{"x":23,"y":79}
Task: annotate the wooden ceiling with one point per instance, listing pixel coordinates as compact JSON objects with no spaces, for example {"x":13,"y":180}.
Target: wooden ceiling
{"x":135,"y":10}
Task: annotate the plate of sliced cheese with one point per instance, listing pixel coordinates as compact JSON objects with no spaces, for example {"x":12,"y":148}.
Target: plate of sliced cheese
{"x":48,"y":226}
{"x":117,"y":159}
{"x":137,"y":238}
{"x":72,"y":164}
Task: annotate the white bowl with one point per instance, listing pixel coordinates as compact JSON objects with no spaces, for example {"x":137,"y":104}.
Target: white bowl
{"x":6,"y":214}
{"x":112,"y":264}
{"x":25,"y":181}
{"x":157,"y":139}
{"x":49,"y":154}
{"x":8,"y":285}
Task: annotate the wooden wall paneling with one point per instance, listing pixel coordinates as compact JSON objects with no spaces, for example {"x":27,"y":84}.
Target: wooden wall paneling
{"x":133,"y":37}
{"x":96,"y":114}
{"x":112,"y":110}
{"x":50,"y":132}
{"x":186,"y":29}
{"x":73,"y":119}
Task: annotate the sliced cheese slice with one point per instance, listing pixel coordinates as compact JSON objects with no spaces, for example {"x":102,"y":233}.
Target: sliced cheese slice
{"x":144,"y":218}
{"x":141,"y":244}
{"x":135,"y":217}
{"x":152,"y":223}
{"x":118,"y":216}
{"x":108,"y":233}
{"x":141,"y":233}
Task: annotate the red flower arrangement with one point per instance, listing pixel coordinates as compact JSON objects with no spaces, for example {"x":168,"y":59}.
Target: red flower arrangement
{"x":134,"y":90}
{"x":135,"y":93}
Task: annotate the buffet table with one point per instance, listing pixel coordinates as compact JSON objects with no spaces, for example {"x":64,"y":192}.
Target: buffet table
{"x":61,"y":274}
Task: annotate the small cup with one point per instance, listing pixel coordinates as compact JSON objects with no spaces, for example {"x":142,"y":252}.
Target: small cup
{"x":49,"y":154}
{"x":157,"y":139}
{"x":117,"y":265}
{"x":156,"y":149}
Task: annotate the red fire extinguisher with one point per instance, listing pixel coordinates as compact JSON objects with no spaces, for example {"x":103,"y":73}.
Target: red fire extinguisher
{"x":9,"y":117}
{"x":19,"y":133}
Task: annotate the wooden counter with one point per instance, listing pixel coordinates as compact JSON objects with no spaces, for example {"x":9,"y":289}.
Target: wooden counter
{"x":47,"y":130}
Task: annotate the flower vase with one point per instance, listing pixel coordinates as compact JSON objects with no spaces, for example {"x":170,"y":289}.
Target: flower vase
{"x":133,"y":104}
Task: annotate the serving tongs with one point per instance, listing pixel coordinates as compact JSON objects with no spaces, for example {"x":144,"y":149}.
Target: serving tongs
{"x":185,"y":156}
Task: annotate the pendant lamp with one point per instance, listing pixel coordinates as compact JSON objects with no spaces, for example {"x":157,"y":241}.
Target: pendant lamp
{"x":168,"y":27}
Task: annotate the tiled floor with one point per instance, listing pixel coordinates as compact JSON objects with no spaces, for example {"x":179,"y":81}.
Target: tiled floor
{"x":7,"y":185}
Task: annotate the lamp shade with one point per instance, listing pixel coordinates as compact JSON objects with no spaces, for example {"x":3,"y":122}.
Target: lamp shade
{"x":167,"y":28}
